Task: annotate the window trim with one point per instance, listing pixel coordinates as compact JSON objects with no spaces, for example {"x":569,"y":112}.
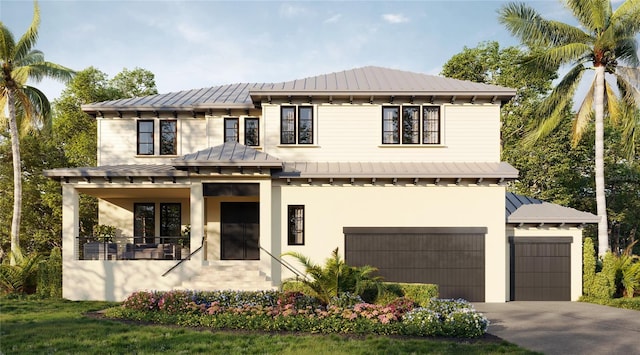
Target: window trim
{"x":175,"y":137}
{"x":295,"y":231}
{"x":299,"y":124}
{"x":246,"y":129}
{"x":398,"y":108}
{"x":138,"y":134}
{"x":162,"y":218}
{"x":236,"y":129}
{"x":282,"y":124}
{"x":296,"y":132}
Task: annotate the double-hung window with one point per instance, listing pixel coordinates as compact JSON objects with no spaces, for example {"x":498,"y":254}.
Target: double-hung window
{"x":168,"y":137}
{"x":145,"y":137}
{"x":170,"y":221}
{"x":251,"y":132}
{"x":295,"y":223}
{"x":296,"y":125}
{"x":231,"y":131}
{"x":411,"y":124}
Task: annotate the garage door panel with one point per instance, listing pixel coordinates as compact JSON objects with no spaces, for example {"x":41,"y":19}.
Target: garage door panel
{"x":541,"y":269}
{"x":454,"y":261}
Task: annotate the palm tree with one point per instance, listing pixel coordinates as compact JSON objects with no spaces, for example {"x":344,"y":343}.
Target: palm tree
{"x":603,"y":39}
{"x":20,"y":62}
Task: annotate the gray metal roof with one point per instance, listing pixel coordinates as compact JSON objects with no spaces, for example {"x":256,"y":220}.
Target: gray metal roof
{"x":129,"y":170}
{"x":227,"y":154}
{"x":368,"y":80}
{"x":434,"y":170}
{"x":522,"y":209}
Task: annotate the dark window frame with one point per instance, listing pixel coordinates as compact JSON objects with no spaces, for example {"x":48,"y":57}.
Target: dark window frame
{"x":140,"y":132}
{"x":144,"y":237}
{"x":309,"y":136}
{"x":235,"y":131}
{"x":288,"y":135}
{"x":295,"y":225}
{"x":391,"y":135}
{"x":256,"y":141}
{"x":173,"y":141}
{"x":398,"y":131}
{"x":166,"y":223}
{"x":426,"y":131}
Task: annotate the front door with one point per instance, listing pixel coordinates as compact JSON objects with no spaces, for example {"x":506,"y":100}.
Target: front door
{"x":240,"y":234}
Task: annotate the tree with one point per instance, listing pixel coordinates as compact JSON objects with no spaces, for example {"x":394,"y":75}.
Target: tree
{"x":20,"y":62}
{"x":604,"y":38}
{"x":134,"y":83}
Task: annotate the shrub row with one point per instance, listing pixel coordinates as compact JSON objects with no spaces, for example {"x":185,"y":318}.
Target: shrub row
{"x":293,"y":311}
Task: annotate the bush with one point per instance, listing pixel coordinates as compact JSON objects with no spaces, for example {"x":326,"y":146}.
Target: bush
{"x":588,"y":267}
{"x":421,"y":294}
{"x":50,"y":276}
{"x":294,"y":311}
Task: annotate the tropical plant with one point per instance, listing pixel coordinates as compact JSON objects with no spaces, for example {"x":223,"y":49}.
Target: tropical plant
{"x":627,"y":268}
{"x":326,"y":282}
{"x":20,"y":275}
{"x":26,"y":104}
{"x":104,"y":233}
{"x":604,"y":39}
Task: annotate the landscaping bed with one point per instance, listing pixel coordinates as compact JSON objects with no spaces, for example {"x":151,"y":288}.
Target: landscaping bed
{"x":296,"y":312}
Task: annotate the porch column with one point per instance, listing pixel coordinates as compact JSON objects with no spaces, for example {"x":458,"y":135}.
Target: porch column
{"x":197,"y":219}
{"x":266,"y":240}
{"x":70,"y":222}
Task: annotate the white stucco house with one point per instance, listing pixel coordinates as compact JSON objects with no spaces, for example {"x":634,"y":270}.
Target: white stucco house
{"x":399,"y":170}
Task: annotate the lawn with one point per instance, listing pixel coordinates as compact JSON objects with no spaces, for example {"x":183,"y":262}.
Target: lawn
{"x":57,"y":326}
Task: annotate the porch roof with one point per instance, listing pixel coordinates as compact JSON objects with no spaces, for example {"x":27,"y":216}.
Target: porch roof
{"x":109,"y":171}
{"x":526,"y":210}
{"x":401,"y":170}
{"x":227,"y":154}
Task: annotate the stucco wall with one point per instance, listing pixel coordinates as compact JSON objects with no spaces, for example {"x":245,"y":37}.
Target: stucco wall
{"x":330,"y":208}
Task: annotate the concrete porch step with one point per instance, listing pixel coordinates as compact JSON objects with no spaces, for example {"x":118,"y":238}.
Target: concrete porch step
{"x":229,"y":275}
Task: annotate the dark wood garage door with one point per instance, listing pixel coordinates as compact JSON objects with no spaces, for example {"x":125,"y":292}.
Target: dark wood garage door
{"x":540,"y":269}
{"x":452,"y":258}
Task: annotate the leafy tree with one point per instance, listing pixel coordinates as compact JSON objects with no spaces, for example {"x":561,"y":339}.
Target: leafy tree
{"x":20,"y":62}
{"x":134,"y":83}
{"x":604,"y":38}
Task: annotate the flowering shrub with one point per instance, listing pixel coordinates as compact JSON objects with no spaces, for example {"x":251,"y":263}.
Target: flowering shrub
{"x":294,"y":311}
{"x":345,"y":300}
{"x":446,"y":317}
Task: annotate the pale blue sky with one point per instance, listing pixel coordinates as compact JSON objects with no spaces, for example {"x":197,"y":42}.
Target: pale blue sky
{"x":192,"y":44}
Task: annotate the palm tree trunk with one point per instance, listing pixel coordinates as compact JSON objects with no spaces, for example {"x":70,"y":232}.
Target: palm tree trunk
{"x":17,"y":176}
{"x":601,"y":202}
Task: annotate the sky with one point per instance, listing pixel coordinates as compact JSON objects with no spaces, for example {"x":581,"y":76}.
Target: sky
{"x":192,"y":44}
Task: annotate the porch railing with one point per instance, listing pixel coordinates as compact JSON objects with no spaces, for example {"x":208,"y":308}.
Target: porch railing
{"x":133,"y":248}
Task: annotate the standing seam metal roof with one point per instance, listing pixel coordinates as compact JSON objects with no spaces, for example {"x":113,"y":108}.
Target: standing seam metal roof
{"x":366,"y":80}
{"x":522,"y":209}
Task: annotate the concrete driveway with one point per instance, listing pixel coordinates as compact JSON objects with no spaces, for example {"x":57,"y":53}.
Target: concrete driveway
{"x":565,"y":327}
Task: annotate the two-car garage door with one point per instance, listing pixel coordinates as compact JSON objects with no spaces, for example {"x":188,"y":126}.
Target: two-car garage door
{"x":452,"y":258}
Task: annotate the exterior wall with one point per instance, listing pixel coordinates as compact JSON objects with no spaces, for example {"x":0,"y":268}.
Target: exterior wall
{"x":330,"y":208}
{"x":354,"y":133}
{"x":342,"y":132}
{"x":576,"y":251}
{"x":117,"y":139}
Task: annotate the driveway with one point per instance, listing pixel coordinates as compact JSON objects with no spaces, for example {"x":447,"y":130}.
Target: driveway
{"x":565,"y":327}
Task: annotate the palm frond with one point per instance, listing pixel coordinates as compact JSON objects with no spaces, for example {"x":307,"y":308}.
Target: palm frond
{"x":564,"y":54}
{"x":7,"y":43}
{"x":593,"y":15}
{"x":628,"y":80}
{"x":38,"y":71}
{"x":625,"y":18}
{"x":526,"y":24}
{"x":612,"y":105}
{"x":583,"y":116}
{"x":30,"y":37}
{"x":626,"y":51}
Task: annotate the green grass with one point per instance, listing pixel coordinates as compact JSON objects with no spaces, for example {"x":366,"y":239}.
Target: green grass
{"x":628,"y":303}
{"x":60,"y":327}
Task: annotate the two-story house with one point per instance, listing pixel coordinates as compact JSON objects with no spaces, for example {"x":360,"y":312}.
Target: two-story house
{"x":398,"y":170}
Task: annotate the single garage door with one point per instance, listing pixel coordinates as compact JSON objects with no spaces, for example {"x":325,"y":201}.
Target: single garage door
{"x":452,"y":258}
{"x":540,"y":269}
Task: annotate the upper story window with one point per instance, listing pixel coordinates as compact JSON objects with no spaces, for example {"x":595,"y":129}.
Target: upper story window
{"x":411,"y":125}
{"x":296,"y":125}
{"x":251,"y":131}
{"x":231,"y":131}
{"x":145,"y":137}
{"x":168,"y":137}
